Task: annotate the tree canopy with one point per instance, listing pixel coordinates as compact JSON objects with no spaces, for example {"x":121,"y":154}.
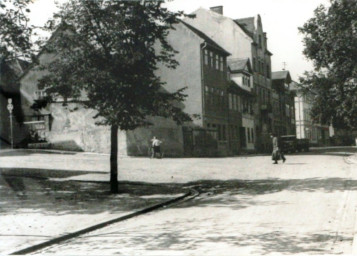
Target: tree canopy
{"x":109,"y":52}
{"x":15,"y":31}
{"x":330,"y":39}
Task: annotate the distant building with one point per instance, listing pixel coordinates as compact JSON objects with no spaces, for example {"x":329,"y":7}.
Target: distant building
{"x":283,"y":103}
{"x":244,"y":39}
{"x":241,"y":105}
{"x":317,"y":133}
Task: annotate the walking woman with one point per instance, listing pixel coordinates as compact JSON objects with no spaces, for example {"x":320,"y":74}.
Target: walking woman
{"x":277,"y":152}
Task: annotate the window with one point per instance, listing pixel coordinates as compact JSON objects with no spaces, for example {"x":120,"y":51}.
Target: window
{"x":287,"y":110}
{"x":268,"y":71}
{"x":248,"y":133}
{"x":233,"y":102}
{"x":224,"y":132}
{"x":260,"y":41}
{"x":238,"y":102}
{"x":212,"y":95}
{"x":262,"y":67}
{"x":217,"y":62}
{"x":40,"y":94}
{"x":230,"y":99}
{"x":219,"y":131}
{"x":222,"y":62}
{"x":254,"y":64}
{"x":211,"y":59}
{"x":252,"y":135}
{"x":206,"y":56}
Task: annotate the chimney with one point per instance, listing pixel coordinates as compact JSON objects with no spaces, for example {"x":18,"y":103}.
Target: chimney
{"x":217,"y":9}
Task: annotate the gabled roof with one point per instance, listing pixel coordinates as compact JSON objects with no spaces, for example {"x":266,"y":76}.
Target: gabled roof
{"x":237,"y":65}
{"x":281,"y":75}
{"x":206,"y":38}
{"x":247,"y":24}
{"x":219,"y":18}
{"x":62,"y":27}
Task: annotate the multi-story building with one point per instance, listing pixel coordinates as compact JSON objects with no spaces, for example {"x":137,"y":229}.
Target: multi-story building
{"x":283,"y":103}
{"x":244,"y":38}
{"x":203,"y":70}
{"x":241,"y":102}
{"x":318,"y":134}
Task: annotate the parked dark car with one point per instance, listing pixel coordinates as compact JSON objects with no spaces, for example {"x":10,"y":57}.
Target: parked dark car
{"x":291,"y":144}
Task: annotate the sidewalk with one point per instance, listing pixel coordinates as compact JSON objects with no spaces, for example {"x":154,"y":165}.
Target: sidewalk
{"x":34,"y":210}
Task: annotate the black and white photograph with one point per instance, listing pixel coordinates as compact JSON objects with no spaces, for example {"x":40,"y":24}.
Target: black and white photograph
{"x":178,"y":127}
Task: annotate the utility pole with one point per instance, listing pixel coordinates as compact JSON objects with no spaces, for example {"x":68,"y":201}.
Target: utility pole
{"x":10,"y":107}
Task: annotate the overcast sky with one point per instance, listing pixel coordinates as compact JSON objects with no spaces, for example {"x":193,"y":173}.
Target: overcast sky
{"x":280,"y":18}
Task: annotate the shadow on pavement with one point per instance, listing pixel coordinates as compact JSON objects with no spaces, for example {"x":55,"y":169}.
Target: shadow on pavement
{"x":22,"y":194}
{"x":266,"y":243}
{"x":28,"y":152}
{"x":238,"y":194}
{"x":39,"y":173}
{"x":282,"y":242}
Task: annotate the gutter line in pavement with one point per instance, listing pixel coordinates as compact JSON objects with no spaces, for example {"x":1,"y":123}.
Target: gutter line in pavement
{"x":188,"y":196}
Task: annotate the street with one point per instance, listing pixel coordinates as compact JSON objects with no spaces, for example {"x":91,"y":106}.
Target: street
{"x":246,"y":205}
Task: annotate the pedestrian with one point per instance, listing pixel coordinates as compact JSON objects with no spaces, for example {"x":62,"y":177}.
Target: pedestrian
{"x":277,"y":150}
{"x":281,"y":147}
{"x":155,"y":147}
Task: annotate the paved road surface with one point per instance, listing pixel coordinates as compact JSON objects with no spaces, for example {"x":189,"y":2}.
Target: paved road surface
{"x":305,"y":206}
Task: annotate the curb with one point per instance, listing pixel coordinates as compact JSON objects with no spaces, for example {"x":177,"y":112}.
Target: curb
{"x":188,"y":196}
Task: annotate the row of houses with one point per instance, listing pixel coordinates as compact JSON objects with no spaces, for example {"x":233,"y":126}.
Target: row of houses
{"x":225,"y":65}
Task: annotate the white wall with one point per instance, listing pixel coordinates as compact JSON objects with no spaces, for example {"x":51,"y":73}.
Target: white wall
{"x":248,"y":122}
{"x":224,"y":31}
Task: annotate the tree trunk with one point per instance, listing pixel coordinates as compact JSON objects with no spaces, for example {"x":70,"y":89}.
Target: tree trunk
{"x":114,"y":159}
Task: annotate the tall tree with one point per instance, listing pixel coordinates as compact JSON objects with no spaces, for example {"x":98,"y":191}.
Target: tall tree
{"x":15,"y":31}
{"x":110,"y":50}
{"x":330,"y":39}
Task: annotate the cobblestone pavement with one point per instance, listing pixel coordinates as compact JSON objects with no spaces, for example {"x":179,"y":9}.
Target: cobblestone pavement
{"x":304,"y":206}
